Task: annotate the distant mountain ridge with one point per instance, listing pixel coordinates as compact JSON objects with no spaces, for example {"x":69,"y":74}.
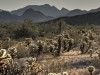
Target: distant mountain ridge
{"x":45,"y":9}
{"x":95,"y":10}
{"x":1,"y":10}
{"x":41,"y":13}
{"x":48,"y":10}
{"x":89,"y":18}
{"x":36,"y":16}
{"x":76,"y":12}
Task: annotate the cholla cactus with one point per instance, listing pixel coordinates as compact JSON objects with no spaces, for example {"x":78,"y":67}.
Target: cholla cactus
{"x":90,"y":52}
{"x":50,"y":41}
{"x":31,"y":60}
{"x":98,"y":52}
{"x":40,"y":46}
{"x":34,"y":67}
{"x":13,"y":52}
{"x":90,"y":45}
{"x":82,"y":47}
{"x":91,"y":69}
{"x":2,"y":65}
{"x":86,"y":39}
{"x":66,"y":35}
{"x":7,"y":39}
{"x":28,"y":41}
{"x":70,"y":43}
{"x":65,"y":73}
{"x":3,"y":56}
{"x":92,"y":36}
{"x":52,"y":49}
{"x":65,"y":44}
{"x":33,"y":49}
{"x":39,"y":42}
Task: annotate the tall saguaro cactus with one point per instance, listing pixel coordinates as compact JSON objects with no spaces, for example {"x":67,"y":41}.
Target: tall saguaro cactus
{"x":60,"y":27}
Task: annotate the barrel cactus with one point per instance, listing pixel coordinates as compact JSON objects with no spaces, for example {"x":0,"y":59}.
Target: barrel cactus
{"x":65,"y":73}
{"x":91,"y":69}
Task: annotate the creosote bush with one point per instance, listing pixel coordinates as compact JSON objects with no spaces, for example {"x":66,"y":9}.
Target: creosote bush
{"x":22,"y":51}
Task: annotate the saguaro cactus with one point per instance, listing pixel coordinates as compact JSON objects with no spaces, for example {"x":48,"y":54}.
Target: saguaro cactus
{"x":59,"y":44}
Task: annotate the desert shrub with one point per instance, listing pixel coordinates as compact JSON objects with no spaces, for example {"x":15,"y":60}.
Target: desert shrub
{"x":6,"y":45}
{"x":57,"y":65}
{"x":96,"y":62}
{"x":22,"y":51}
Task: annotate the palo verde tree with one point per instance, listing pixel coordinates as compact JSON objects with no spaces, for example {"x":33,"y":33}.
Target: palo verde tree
{"x":25,"y":30}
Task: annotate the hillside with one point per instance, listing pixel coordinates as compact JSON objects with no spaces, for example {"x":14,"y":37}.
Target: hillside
{"x":89,"y":18}
{"x":36,"y":16}
{"x":76,"y":12}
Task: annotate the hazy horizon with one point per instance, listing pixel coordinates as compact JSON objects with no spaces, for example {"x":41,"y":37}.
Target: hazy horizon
{"x":10,"y":5}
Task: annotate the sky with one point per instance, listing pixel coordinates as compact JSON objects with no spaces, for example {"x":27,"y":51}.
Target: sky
{"x":10,"y":5}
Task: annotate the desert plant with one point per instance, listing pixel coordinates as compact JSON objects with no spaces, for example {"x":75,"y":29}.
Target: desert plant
{"x":91,"y":69}
{"x":13,"y":52}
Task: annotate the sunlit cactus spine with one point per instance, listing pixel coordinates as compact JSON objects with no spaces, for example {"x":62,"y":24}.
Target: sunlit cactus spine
{"x":65,"y":73}
{"x":55,"y":74}
{"x":51,"y":74}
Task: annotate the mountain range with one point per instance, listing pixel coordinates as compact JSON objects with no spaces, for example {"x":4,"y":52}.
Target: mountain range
{"x":1,"y":10}
{"x":76,"y":12}
{"x":36,"y":16}
{"x":53,"y":11}
{"x":40,"y":13}
{"x":89,"y":18}
{"x":45,"y":9}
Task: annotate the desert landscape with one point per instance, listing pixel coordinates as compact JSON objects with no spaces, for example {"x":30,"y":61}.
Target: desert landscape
{"x":49,"y":38}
